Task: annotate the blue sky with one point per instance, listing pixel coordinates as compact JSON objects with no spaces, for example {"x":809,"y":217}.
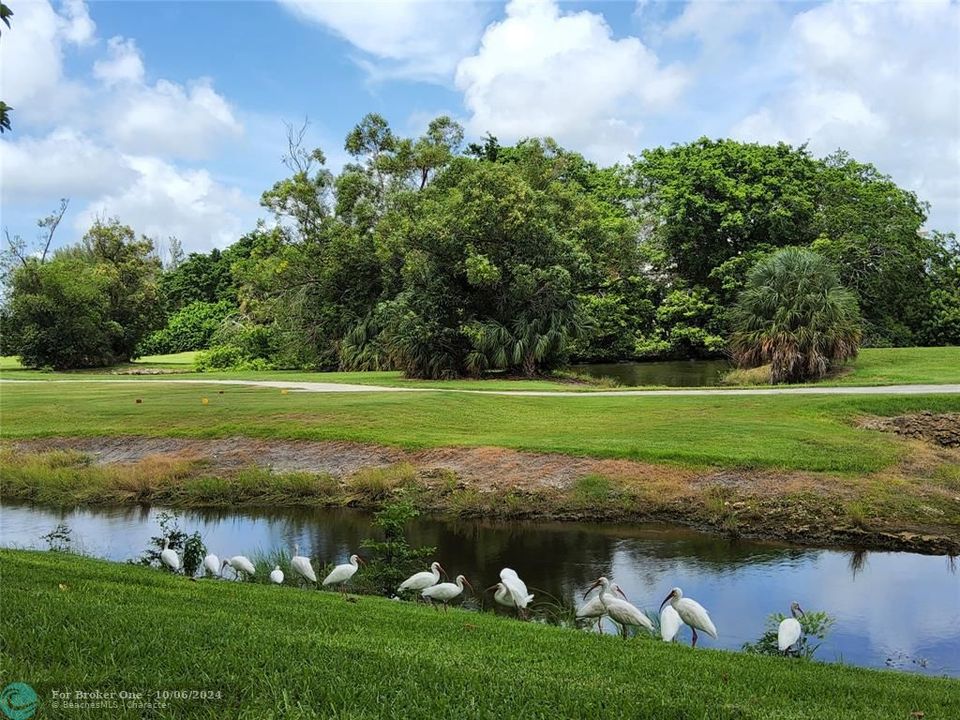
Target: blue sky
{"x":170,"y":115}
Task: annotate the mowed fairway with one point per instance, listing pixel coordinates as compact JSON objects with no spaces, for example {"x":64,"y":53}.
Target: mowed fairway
{"x":76,"y":623}
{"x":802,"y":433}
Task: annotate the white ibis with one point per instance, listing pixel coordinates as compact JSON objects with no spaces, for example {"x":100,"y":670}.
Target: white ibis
{"x":341,"y":573}
{"x":790,"y":630}
{"x":670,"y":623}
{"x":276,"y":576}
{"x":691,"y":613}
{"x":517,"y":589}
{"x":445,"y":592}
{"x":594,"y":608}
{"x":502,"y":596}
{"x":301,"y":566}
{"x":620,"y":611}
{"x":422,"y":580}
{"x":169,"y":557}
{"x":211,"y":563}
{"x":240,"y":564}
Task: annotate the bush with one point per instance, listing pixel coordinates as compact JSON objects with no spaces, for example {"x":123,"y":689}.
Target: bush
{"x":392,"y":560}
{"x":190,"y":328}
{"x":795,"y":315}
{"x":239,"y":345}
{"x":815,"y":625}
{"x":190,"y":548}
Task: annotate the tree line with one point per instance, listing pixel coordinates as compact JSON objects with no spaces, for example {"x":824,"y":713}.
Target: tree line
{"x":442,"y":259}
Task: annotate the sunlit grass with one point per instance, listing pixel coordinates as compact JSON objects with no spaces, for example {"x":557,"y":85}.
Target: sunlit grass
{"x":72,"y":622}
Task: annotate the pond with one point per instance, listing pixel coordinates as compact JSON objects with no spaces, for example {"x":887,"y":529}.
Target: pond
{"x":676,"y":373}
{"x":891,"y":609}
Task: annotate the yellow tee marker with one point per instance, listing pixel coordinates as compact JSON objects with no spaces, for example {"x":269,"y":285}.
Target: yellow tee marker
{"x":205,"y":401}
{"x":284,"y":391}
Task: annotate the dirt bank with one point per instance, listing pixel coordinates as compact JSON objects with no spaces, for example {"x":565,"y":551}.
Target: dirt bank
{"x":905,"y":509}
{"x":942,"y":429}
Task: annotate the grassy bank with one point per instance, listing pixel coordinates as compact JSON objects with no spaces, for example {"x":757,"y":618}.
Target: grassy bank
{"x":874,"y":366}
{"x":75,"y":623}
{"x":786,"y":432}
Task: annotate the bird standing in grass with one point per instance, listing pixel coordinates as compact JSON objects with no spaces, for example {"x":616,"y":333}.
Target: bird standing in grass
{"x":790,"y":630}
{"x":211,"y":563}
{"x":422,"y":580}
{"x":241,"y":565}
{"x":342,"y":573}
{"x":692,"y":613}
{"x":276,"y":576}
{"x":620,"y":611}
{"x":594,"y":608}
{"x":670,"y":623}
{"x":445,"y":592}
{"x":502,"y":596}
{"x":169,"y":557}
{"x":301,"y":566}
{"x":517,"y":589}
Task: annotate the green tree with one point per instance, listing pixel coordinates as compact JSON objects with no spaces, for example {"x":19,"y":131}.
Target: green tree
{"x":88,"y":305}
{"x":871,"y":230}
{"x":58,"y":315}
{"x":795,"y":315}
{"x":712,"y":200}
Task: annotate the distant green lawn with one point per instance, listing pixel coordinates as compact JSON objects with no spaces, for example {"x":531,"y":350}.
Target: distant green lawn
{"x":874,"y":366}
{"x":73,"y":623}
{"x":797,"y":432}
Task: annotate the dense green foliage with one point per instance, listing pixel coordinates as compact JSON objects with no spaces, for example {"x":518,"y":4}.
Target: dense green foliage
{"x":269,"y":652}
{"x":422,"y":257}
{"x":88,"y":305}
{"x":795,"y":316}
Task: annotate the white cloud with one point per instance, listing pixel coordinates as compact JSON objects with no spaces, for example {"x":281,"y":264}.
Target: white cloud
{"x":164,"y":200}
{"x":419,"y":39}
{"x":171,"y":119}
{"x":123,"y":64}
{"x":64,"y":163}
{"x":879,"y":80}
{"x":543,"y":72}
{"x":75,"y":23}
{"x":36,"y":88}
{"x":120,"y":159}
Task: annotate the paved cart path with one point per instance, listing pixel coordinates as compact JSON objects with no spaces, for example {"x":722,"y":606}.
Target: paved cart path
{"x":328,"y":387}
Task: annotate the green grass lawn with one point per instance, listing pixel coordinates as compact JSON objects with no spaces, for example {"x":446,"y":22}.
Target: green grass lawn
{"x":73,"y":623}
{"x":793,"y":432}
{"x":874,"y":366}
{"x":904,"y":366}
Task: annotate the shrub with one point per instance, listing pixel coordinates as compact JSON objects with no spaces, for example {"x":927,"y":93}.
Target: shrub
{"x":392,"y":559}
{"x":815,"y":625}
{"x":795,"y":315}
{"x":190,"y":328}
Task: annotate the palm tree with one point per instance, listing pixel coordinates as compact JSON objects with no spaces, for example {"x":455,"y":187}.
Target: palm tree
{"x":795,"y":315}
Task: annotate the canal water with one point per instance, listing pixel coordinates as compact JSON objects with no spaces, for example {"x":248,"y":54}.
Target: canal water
{"x":897,"y":610}
{"x":679,"y":373}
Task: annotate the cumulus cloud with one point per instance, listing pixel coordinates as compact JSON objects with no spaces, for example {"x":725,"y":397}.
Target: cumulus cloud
{"x":171,"y":119}
{"x":122,"y":159}
{"x":540,"y":71}
{"x":122,"y":64}
{"x":879,"y":80}
{"x":163,"y":200}
{"x":419,"y":39}
{"x":64,"y":163}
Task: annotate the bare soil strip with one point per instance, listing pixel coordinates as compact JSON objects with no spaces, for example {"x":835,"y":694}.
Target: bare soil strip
{"x":806,"y":508}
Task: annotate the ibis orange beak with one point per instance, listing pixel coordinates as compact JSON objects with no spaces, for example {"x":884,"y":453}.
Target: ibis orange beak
{"x":590,"y":589}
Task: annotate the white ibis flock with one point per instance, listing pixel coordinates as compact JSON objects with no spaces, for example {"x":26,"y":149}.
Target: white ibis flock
{"x":511,"y":592}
